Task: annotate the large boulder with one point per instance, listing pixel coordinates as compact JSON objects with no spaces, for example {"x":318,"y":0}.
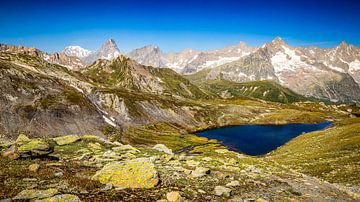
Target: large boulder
{"x":64,"y":140}
{"x":200,"y":172}
{"x":163,"y":148}
{"x":222,"y":191}
{"x":34,"y":148}
{"x":136,"y":173}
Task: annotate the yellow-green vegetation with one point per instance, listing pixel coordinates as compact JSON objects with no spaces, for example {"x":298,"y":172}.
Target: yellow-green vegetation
{"x":66,"y":139}
{"x":332,"y":154}
{"x":164,"y":133}
{"x":137,"y":173}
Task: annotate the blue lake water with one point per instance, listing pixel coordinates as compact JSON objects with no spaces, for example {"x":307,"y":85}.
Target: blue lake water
{"x":259,"y":139}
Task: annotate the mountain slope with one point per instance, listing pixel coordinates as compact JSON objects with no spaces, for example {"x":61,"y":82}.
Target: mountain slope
{"x":264,"y":90}
{"x":291,"y":68}
{"x":126,"y":73}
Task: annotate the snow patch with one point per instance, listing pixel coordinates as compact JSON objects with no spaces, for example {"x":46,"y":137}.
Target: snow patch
{"x":108,"y":121}
{"x":354,"y":66}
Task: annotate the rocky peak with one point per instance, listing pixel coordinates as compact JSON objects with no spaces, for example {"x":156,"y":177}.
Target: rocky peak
{"x":278,"y":41}
{"x":109,"y":47}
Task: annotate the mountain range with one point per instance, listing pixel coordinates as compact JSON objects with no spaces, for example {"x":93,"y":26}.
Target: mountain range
{"x":331,"y":74}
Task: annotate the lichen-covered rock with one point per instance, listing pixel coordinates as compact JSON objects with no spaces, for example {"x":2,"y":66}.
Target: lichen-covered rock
{"x":60,"y":198}
{"x":162,"y":148}
{"x":136,"y":173}
{"x":95,"y":147}
{"x":64,"y":140}
{"x":200,"y":172}
{"x":35,"y":194}
{"x":34,"y":167}
{"x":125,"y":148}
{"x":22,"y":139}
{"x":233,"y":183}
{"x":34,"y":148}
{"x":173,"y":196}
{"x":222,"y":191}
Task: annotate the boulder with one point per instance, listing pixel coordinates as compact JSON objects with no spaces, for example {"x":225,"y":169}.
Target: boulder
{"x":61,"y":197}
{"x":35,"y":194}
{"x":222,"y":191}
{"x":34,"y":167}
{"x":34,"y":148}
{"x":200,"y":172}
{"x":233,"y":183}
{"x":22,"y":139}
{"x":12,"y":153}
{"x":173,"y":196}
{"x":163,"y":148}
{"x":64,"y":140}
{"x":125,"y":148}
{"x":136,"y":173}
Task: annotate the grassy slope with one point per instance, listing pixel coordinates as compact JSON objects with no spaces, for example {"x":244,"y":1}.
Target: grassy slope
{"x":332,"y":154}
{"x":265,"y":90}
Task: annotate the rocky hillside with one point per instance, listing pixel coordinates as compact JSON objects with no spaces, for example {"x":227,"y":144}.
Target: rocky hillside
{"x":88,"y":168}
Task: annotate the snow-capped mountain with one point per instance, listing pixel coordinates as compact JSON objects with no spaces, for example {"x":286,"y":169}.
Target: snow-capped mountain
{"x":76,"y":51}
{"x":108,"y":51}
{"x":308,"y":71}
{"x":189,"y":61}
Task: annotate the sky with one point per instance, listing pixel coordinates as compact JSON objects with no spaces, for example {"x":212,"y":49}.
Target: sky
{"x":175,"y":25}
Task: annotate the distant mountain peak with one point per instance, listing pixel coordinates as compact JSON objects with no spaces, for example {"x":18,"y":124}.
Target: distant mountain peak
{"x":110,"y":44}
{"x":278,"y":41}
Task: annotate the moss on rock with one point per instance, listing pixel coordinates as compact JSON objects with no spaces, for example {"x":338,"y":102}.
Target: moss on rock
{"x":136,"y":173}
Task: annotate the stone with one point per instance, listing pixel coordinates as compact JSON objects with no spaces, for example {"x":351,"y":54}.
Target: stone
{"x":64,"y":140}
{"x":201,"y":191}
{"x":35,"y":194}
{"x":34,"y":148}
{"x":59,"y":174}
{"x":163,"y":148}
{"x":60,"y":198}
{"x":207,"y":159}
{"x":221,"y":151}
{"x":222,"y":191}
{"x":200,"y":172}
{"x":94,"y":147}
{"x":34,"y":167}
{"x":173,"y":196}
{"x":11,"y":153}
{"x":233,"y":183}
{"x":22,"y":139}
{"x":107,"y":187}
{"x":136,"y":173}
{"x":125,"y":148}
{"x":192,"y":163}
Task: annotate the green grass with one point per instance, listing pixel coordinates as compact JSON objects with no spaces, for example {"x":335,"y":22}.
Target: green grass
{"x":332,"y":154}
{"x":264,"y":90}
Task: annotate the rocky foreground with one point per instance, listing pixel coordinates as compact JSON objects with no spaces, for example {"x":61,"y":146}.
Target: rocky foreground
{"x":89,"y":168}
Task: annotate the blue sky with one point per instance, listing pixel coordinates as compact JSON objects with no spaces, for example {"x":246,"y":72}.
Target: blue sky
{"x":175,"y":25}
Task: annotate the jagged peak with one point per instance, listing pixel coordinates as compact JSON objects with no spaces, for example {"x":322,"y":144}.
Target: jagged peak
{"x":110,"y":43}
{"x":278,"y":40}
